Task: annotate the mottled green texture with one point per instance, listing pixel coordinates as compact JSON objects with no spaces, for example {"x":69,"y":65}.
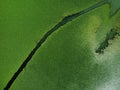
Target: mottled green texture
{"x":67,"y":60}
{"x":23,"y":23}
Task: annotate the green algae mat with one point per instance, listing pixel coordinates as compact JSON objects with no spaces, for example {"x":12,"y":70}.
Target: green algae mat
{"x":59,"y":45}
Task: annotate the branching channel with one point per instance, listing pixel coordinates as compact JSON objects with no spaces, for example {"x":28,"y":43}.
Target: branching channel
{"x":64,"y":21}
